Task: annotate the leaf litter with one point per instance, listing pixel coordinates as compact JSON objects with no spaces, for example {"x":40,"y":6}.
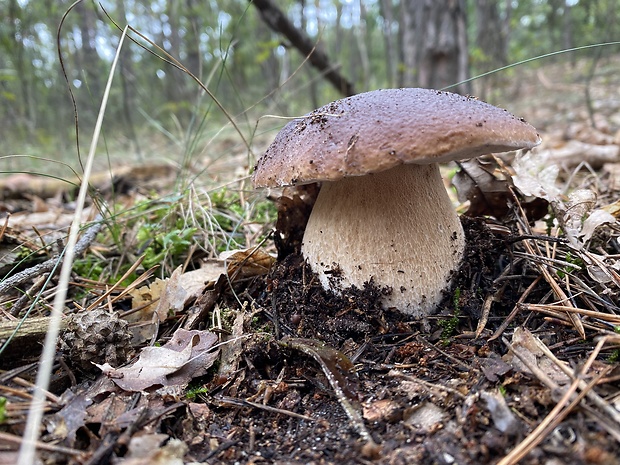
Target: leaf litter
{"x":240,"y":359}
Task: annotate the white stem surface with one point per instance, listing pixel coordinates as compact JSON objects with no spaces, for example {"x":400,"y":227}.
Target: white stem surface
{"x":398,"y":227}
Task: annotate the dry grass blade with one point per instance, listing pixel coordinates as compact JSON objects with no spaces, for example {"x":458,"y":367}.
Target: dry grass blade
{"x":533,"y":249}
{"x":31,"y":433}
{"x":552,"y":308}
{"x":267,"y":408}
{"x":565,"y":405}
{"x":109,"y":291}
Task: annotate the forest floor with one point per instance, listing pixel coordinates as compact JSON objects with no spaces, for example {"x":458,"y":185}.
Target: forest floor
{"x":236,"y":357}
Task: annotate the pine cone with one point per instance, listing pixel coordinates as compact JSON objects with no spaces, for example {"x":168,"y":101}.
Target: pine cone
{"x":97,"y":336}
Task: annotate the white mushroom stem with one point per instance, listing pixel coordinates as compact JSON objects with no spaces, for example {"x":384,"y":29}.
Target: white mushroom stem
{"x":398,"y":227}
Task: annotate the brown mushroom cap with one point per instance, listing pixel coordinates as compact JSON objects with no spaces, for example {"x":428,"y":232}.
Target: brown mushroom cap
{"x":378,"y":130}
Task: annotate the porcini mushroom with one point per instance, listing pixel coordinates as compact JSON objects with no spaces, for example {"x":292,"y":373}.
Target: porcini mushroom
{"x":383,"y":211}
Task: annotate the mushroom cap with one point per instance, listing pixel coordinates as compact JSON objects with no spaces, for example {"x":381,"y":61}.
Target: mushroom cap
{"x":378,"y":130}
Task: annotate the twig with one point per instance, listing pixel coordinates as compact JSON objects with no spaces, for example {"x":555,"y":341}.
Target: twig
{"x":47,"y":266}
{"x":28,"y":295}
{"x":267,"y":408}
{"x":426,"y":384}
{"x":445,"y":354}
{"x":25,"y":332}
{"x":40,"y":445}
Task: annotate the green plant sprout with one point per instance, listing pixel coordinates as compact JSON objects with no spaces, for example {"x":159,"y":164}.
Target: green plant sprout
{"x":3,"y":414}
{"x":450,"y":325}
{"x":194,"y":391}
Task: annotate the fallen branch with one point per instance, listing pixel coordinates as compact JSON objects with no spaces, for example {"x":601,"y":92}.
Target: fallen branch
{"x":51,"y":264}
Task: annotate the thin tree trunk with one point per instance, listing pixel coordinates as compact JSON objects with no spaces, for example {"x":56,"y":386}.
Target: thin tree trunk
{"x":278,"y":21}
{"x":127,"y":76}
{"x":314,"y":95}
{"x":174,"y":81}
{"x":385,"y":8}
{"x":490,"y":40}
{"x":22,"y":113}
{"x":360,"y":35}
{"x":567,"y":31}
{"x":88,"y":53}
{"x":435,"y":44}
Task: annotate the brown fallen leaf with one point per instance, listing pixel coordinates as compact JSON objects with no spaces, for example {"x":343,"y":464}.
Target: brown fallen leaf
{"x":247,"y":262}
{"x":186,"y":356}
{"x":173,"y":297}
{"x":525,"y":346}
{"x":154,"y":449}
{"x":477,"y":183}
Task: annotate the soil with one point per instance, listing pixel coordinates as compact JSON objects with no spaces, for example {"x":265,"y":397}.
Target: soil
{"x":421,"y":389}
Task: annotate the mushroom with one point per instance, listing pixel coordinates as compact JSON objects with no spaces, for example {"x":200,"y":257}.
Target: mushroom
{"x":383,"y":212}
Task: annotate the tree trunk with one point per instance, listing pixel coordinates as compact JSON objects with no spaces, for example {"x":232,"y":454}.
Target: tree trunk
{"x":88,"y":56}
{"x":313,"y":90}
{"x":385,"y":7}
{"x":491,"y":44}
{"x":435,"y":44}
{"x":490,"y":35}
{"x":26,"y":112}
{"x":360,"y":36}
{"x":175,"y":78}
{"x":567,"y":31}
{"x":278,"y":21}
{"x":128,"y":78}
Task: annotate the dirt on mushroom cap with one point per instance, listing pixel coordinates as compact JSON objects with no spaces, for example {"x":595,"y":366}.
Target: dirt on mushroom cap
{"x":378,"y":130}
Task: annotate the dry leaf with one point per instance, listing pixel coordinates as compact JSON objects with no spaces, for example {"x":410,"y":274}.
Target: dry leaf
{"x":536,"y":176}
{"x":596,"y":219}
{"x":477,"y":183}
{"x":503,"y":418}
{"x":247,"y":262}
{"x":525,"y":344}
{"x":147,"y":450}
{"x":172,"y":299}
{"x":146,"y":298}
{"x":186,"y":356}
{"x":382,"y":410}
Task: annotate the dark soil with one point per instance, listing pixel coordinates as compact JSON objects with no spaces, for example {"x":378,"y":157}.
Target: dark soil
{"x":403,"y":372}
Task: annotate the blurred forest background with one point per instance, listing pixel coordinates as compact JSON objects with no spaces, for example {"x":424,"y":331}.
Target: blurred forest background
{"x":234,"y":47}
